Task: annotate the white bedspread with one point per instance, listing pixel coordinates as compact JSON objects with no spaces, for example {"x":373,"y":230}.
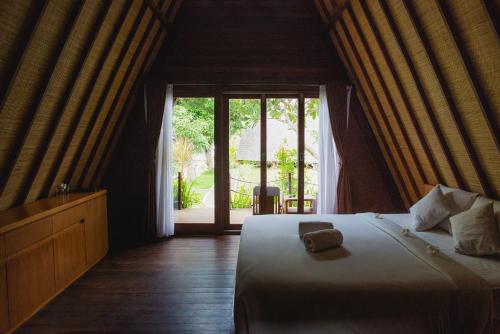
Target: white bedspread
{"x":378,"y":282}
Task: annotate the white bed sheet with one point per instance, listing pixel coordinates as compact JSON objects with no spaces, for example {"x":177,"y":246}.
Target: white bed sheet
{"x":399,"y":288}
{"x":488,"y":268}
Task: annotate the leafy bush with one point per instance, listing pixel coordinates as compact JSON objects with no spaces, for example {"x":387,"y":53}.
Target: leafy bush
{"x":189,"y":197}
{"x":240,"y":200}
{"x":286,"y":165}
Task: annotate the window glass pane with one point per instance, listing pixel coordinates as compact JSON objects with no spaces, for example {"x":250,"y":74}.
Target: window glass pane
{"x":311,"y":153}
{"x":282,"y":155}
{"x":193,"y":160}
{"x":244,"y":156}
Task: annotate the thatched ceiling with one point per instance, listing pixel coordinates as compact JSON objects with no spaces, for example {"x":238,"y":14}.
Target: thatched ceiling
{"x":426,"y":73}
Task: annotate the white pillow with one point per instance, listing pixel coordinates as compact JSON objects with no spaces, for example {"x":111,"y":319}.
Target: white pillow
{"x":496,"y":207}
{"x":458,"y":201}
{"x":475,"y":231}
{"x":430,"y":210}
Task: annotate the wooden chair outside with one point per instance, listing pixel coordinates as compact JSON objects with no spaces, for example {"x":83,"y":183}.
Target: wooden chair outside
{"x":273,"y":205}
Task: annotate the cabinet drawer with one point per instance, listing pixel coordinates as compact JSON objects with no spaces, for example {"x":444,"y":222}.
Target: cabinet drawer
{"x":25,"y":236}
{"x":2,"y":247}
{"x":71,"y":216}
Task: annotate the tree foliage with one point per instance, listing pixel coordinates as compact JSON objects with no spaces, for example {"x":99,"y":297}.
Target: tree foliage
{"x":194,"y":117}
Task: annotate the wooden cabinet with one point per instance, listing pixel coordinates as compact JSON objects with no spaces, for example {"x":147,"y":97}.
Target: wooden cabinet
{"x":69,"y":255}
{"x":4,"y":312}
{"x":30,"y":281}
{"x":44,"y":247}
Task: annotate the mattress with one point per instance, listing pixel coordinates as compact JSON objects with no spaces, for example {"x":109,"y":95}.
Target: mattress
{"x":379,"y":281}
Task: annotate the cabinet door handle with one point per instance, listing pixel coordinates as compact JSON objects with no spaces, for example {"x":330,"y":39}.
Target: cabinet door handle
{"x":82,"y":220}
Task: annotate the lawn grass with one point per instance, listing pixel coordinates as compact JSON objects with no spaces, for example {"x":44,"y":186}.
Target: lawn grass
{"x":204,"y":181}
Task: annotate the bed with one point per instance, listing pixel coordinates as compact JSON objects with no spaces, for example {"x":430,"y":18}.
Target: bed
{"x":379,"y":281}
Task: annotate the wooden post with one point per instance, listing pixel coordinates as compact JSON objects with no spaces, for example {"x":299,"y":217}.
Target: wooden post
{"x":289,"y":183}
{"x":179,"y":191}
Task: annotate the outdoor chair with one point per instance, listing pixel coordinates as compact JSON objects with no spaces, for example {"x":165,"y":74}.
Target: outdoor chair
{"x":273,"y":205}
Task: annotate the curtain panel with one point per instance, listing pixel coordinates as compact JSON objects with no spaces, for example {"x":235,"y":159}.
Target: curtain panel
{"x":338,"y":96}
{"x":154,"y":104}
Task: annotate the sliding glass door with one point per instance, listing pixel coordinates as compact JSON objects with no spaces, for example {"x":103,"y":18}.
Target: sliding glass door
{"x":271,"y":150}
{"x":193,"y":160}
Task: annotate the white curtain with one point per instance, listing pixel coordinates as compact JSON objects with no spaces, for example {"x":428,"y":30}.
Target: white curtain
{"x":328,"y":159}
{"x":164,"y":187}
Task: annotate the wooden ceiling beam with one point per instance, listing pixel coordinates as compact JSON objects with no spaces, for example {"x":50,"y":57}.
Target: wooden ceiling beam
{"x":131,"y":99}
{"x":158,"y":14}
{"x":85,"y":176}
{"x":62,"y":103}
{"x":56,"y":164}
{"x":404,"y":96}
{"x":397,"y":177}
{"x":370,"y":115}
{"x":423,"y":95}
{"x":34,"y":106}
{"x":378,"y":74}
{"x":22,"y":42}
{"x":449,"y":100}
{"x":383,"y":116}
{"x":70,"y":176}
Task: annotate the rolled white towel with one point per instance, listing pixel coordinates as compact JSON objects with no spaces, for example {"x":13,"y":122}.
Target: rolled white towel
{"x":306,"y":227}
{"x":324,"y":239}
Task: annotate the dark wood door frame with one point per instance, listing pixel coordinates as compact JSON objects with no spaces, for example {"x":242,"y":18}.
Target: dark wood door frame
{"x":222,"y":95}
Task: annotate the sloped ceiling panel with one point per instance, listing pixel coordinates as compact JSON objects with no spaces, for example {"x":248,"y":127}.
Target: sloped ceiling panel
{"x":427,"y":75}
{"x":67,"y":69}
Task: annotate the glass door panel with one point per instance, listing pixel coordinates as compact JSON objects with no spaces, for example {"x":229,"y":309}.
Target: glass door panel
{"x":244,"y":157}
{"x":193,"y":160}
{"x":282,"y":154}
{"x":311,"y":154}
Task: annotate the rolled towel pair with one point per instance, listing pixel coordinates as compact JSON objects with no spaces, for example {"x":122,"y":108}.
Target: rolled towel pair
{"x":311,"y":226}
{"x":324,"y":239}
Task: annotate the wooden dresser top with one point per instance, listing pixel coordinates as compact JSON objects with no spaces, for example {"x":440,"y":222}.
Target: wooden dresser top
{"x":28,"y":213}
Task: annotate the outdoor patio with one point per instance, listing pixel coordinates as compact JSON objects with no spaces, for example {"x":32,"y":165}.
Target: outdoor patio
{"x":206,"y":215}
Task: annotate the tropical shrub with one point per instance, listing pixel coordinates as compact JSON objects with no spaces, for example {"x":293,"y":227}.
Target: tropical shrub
{"x":189,"y":197}
{"x":242,"y":198}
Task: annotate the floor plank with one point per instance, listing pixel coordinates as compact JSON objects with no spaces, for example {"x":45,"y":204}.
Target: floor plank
{"x":183,"y":285}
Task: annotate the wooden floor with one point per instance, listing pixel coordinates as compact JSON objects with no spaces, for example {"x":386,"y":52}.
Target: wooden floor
{"x":183,"y":285}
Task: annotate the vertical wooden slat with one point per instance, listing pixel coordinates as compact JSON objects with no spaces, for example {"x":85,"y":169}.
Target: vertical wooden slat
{"x":301,"y":148}
{"x":103,"y":95}
{"x":127,"y":78}
{"x":29,"y":118}
{"x":385,"y":90}
{"x":221,"y":172}
{"x":263,"y":155}
{"x":424,"y":97}
{"x":17,"y":58}
{"x":410,"y":111}
{"x":470,"y":74}
{"x":82,"y":103}
{"x":478,"y":169}
{"x":61,"y":105}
